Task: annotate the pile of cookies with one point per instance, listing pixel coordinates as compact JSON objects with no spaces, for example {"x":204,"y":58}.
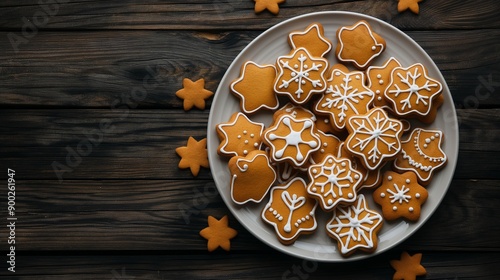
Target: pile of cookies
{"x":340,"y":132}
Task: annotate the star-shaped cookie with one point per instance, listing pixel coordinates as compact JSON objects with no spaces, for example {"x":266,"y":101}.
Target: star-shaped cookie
{"x":193,"y":155}
{"x":239,"y":136}
{"x":313,"y":39}
{"x":408,"y":267}
{"x":404,"y":5}
{"x":193,"y":94}
{"x":218,"y":233}
{"x":254,"y":87}
{"x":378,"y":80}
{"x":270,"y":5}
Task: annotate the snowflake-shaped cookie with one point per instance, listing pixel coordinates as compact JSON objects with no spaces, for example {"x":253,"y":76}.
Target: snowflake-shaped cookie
{"x":292,"y":140}
{"x":400,"y":196}
{"x":300,"y":75}
{"x":333,"y":181}
{"x":345,"y":96}
{"x":374,"y":137}
{"x":290,"y":211}
{"x":411,"y":91}
{"x":239,"y":136}
{"x":422,"y":154}
{"x":355,"y":227}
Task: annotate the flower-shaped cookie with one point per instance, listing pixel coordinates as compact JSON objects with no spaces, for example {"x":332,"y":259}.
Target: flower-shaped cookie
{"x":313,"y":39}
{"x":193,"y":94}
{"x":374,"y":137}
{"x":292,"y":140}
{"x":300,"y":75}
{"x":400,"y":196}
{"x":355,"y":227}
{"x":333,"y":182}
{"x":379,"y":78}
{"x":194,"y":155}
{"x":422,"y":154}
{"x":345,"y":96}
{"x":239,"y":136}
{"x":290,"y":211}
{"x":408,"y":267}
{"x":251,"y":177}
{"x":411,"y":92}
{"x":218,"y":233}
{"x":359,"y":44}
{"x":254,"y":87}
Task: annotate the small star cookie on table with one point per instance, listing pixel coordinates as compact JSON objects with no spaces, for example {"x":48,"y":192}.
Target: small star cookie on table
{"x":218,"y":233}
{"x":270,"y":5}
{"x":193,"y":155}
{"x":193,"y":94}
{"x":404,"y":5}
{"x":408,"y":267}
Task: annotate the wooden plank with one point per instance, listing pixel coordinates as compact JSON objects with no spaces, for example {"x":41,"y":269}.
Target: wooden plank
{"x":163,"y":215}
{"x":265,"y":265}
{"x":96,"y":69}
{"x":141,"y":143}
{"x":224,"y":14}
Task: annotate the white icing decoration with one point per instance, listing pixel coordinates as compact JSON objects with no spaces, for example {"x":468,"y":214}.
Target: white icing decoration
{"x":382,"y":195}
{"x":410,"y":209}
{"x":293,"y":203}
{"x":408,"y":181}
{"x":247,"y":121}
{"x":379,"y":76}
{"x":379,"y":98}
{"x":417,"y":195}
{"x":344,"y":98}
{"x":399,"y":194}
{"x":360,"y":230}
{"x":395,"y":208}
{"x":376,"y":44}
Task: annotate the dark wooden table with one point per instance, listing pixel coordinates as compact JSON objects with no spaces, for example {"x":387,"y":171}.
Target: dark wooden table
{"x":106,"y":73}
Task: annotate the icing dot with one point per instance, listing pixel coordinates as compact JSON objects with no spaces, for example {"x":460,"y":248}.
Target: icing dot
{"x":326,"y":121}
{"x":343,"y":164}
{"x":245,"y":152}
{"x":275,"y":212}
{"x":296,"y":225}
{"x":314,"y":171}
{"x":382,"y":195}
{"x":245,"y":132}
{"x":356,"y":176}
{"x":252,"y":135}
{"x":330,"y":202}
{"x":377,"y":91}
{"x":325,"y":144}
{"x":408,"y":181}
{"x":330,"y":161}
{"x":303,"y":219}
{"x":245,"y":166}
{"x":322,"y":151}
{"x":437,"y":134}
{"x":280,"y":219}
{"x":296,"y":66}
{"x":410,"y":209}
{"x":299,"y":221}
{"x":389,"y":178}
{"x":381,"y":82}
{"x":271,"y":209}
{"x":425,"y":145}
{"x":427,"y":140}
{"x":308,"y":217}
{"x":256,"y":145}
{"x":239,"y":136}
{"x":350,"y":195}
{"x":246,"y":141}
{"x":357,"y":77}
{"x":417,"y":195}
{"x":379,"y":98}
{"x":374,"y":48}
{"x":379,"y":76}
{"x":337,"y":73}
{"x":433,"y":138}
{"x":314,"y":189}
{"x":395,"y":208}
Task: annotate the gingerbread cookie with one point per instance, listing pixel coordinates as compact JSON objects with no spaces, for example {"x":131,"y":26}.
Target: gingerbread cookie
{"x":300,"y":75}
{"x":411,"y":92}
{"x":400,"y":196}
{"x":355,"y":226}
{"x":408,"y":267}
{"x":329,"y":146}
{"x":290,"y":211}
{"x":359,"y":44}
{"x":312,"y":39}
{"x":239,"y":136}
{"x":218,"y":233}
{"x":194,"y":155}
{"x":371,"y":178}
{"x":345,"y":96}
{"x":251,"y":177}
{"x":431,"y":116}
{"x":374,"y":137}
{"x":193,"y":94}
{"x":254,"y":87}
{"x":422,"y":154}
{"x":295,"y":111}
{"x":333,"y":181}
{"x":404,"y":5}
{"x":292,"y":140}
{"x":379,"y":78}
{"x":270,"y":5}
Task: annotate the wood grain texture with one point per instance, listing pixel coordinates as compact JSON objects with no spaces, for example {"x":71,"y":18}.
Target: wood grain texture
{"x":141,"y":143}
{"x":95,"y":69}
{"x":225,"y":14}
{"x":167,"y":215}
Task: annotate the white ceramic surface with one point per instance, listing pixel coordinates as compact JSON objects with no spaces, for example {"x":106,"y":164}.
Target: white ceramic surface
{"x":265,"y":49}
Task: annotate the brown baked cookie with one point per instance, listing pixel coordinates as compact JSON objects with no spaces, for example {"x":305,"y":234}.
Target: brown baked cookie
{"x":254,"y":87}
{"x":194,"y":155}
{"x":239,"y":136}
{"x":379,"y":78}
{"x":355,"y":227}
{"x":270,"y":5}
{"x":329,"y":146}
{"x":218,"y":233}
{"x":359,"y":44}
{"x":300,"y":76}
{"x":422,"y":154}
{"x":193,"y":94}
{"x":251,"y":177}
{"x":400,"y":196}
{"x":408,"y":267}
{"x":291,"y":211}
{"x":312,"y":39}
{"x":294,"y":111}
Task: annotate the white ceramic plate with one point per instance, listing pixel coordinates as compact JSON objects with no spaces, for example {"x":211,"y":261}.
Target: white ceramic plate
{"x":265,"y":49}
